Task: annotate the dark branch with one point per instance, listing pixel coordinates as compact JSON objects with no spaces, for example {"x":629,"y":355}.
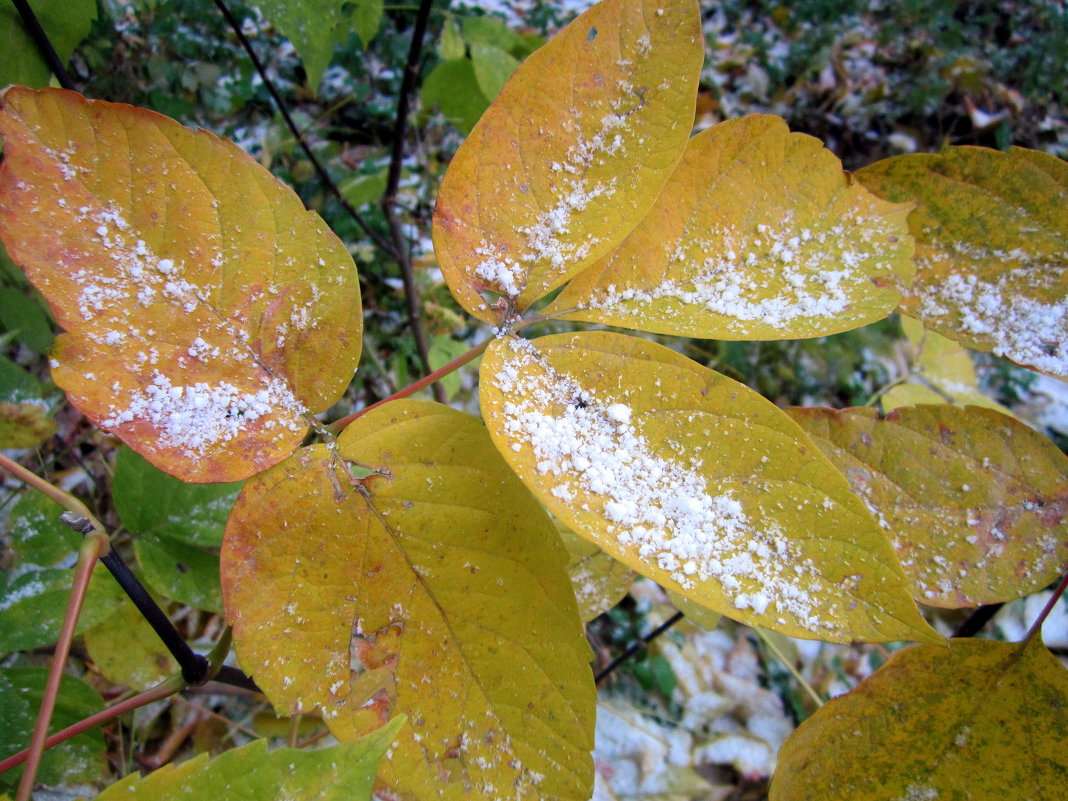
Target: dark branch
{"x":195,"y":668}
{"x":976,"y":620}
{"x":40,"y":38}
{"x":319,"y":169}
{"x":235,"y":678}
{"x":635,"y":647}
{"x":389,"y":198}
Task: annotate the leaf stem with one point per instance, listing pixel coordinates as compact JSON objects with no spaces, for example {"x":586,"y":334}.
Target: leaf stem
{"x":95,"y":543}
{"x":164,"y":689}
{"x":389,"y":197}
{"x":634,"y":647}
{"x":790,"y":666}
{"x":1036,"y":627}
{"x":339,"y":425}
{"x":64,"y":499}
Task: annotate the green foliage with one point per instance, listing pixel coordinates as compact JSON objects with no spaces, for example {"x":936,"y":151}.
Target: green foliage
{"x":400,"y":578}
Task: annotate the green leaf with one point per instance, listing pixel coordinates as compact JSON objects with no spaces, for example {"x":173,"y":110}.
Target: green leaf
{"x":451,"y":45}
{"x":150,"y":502}
{"x":941,"y":372}
{"x":316,"y":32}
{"x":758,"y":234}
{"x":181,"y":572}
{"x":570,"y":155}
{"x":991,"y":230}
{"x":66,"y":23}
{"x":24,"y":316}
{"x":79,"y":759}
{"x":34,"y":600}
{"x":600,"y":582}
{"x":362,"y":190}
{"x":452,"y":87}
{"x":696,"y":482}
{"x":443,"y":349}
{"x":437,"y":589}
{"x":490,"y":30}
{"x":975,"y":503}
{"x":202,"y":327}
{"x":979,"y":719}
{"x":24,"y":414}
{"x":493,"y":67}
{"x":37,"y":534}
{"x":126,"y":649}
{"x":343,"y":772}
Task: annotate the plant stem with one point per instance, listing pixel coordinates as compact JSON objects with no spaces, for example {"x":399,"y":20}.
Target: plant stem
{"x":324,"y":176}
{"x":44,"y":45}
{"x":633,"y":648}
{"x":339,"y":425}
{"x":389,"y":197}
{"x":162,"y":690}
{"x":64,"y":499}
{"x":1036,"y":627}
{"x":790,"y":666}
{"x":95,"y":543}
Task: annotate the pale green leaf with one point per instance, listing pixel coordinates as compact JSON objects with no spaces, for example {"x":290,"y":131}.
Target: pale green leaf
{"x":343,"y":772}
{"x":570,"y":155}
{"x":977,"y":720}
{"x":696,"y":482}
{"x":126,"y":649}
{"x":451,"y":45}
{"x":453,"y":88}
{"x":65,"y":22}
{"x":436,"y":588}
{"x":493,"y":67}
{"x":975,"y":503}
{"x":991,"y":233}
{"x":758,"y":234}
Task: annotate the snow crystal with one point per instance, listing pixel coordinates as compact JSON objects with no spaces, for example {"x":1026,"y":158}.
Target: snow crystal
{"x":663,"y":509}
{"x":772,"y":276}
{"x":199,"y":416}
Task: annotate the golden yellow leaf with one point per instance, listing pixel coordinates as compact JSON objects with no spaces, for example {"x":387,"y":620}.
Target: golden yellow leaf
{"x":991,"y":233}
{"x":207,"y":312}
{"x":600,"y":582}
{"x":437,"y":587}
{"x":941,"y":372}
{"x":977,"y":720}
{"x":695,"y":481}
{"x":570,"y":155}
{"x":975,"y":503}
{"x":758,"y":234}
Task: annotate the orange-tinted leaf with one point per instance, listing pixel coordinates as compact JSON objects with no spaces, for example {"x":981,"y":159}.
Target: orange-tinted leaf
{"x":976,"y":503}
{"x":570,"y":155}
{"x":941,"y":371}
{"x":206,"y":310}
{"x":757,"y":235}
{"x":442,"y":594}
{"x":695,"y":481}
{"x":991,"y":233}
{"x":977,"y":720}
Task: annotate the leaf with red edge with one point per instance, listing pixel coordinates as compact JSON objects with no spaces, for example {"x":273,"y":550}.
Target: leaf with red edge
{"x":207,"y":313}
{"x":571,"y":154}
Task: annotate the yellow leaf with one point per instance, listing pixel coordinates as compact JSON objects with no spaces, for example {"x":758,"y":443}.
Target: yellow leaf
{"x":991,"y":233}
{"x":977,"y":720}
{"x":600,"y":582}
{"x":975,"y":503}
{"x":570,"y":155}
{"x":941,"y":372}
{"x":757,"y":235}
{"x":207,"y":312}
{"x":695,"y":481}
{"x":126,"y":649}
{"x":436,"y":587}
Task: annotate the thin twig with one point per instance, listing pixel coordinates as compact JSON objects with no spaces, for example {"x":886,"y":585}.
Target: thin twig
{"x":93,"y":545}
{"x":44,"y":45}
{"x":64,"y":499}
{"x":790,"y":666}
{"x":633,"y":648}
{"x":324,"y":176}
{"x":162,"y":690}
{"x":1036,"y":627}
{"x":389,"y":197}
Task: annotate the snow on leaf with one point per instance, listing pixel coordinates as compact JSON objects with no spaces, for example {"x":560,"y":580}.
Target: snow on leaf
{"x":343,"y":772}
{"x":979,"y":719}
{"x":695,"y":481}
{"x":758,"y":234}
{"x":207,"y":312}
{"x":975,"y":503}
{"x":991,"y":233}
{"x":437,"y":587}
{"x":570,"y":155}
{"x":600,"y":582}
